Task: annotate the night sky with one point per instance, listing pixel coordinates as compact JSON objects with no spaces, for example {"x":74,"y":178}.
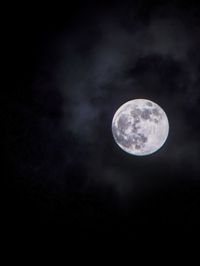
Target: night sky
{"x":73,"y":66}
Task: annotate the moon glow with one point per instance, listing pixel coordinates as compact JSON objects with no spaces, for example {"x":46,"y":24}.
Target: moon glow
{"x":140,"y":127}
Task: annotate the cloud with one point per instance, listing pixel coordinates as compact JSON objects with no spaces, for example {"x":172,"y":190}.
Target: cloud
{"x":153,"y":61}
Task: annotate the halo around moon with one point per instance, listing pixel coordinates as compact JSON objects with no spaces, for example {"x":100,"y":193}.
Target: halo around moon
{"x":140,"y":127}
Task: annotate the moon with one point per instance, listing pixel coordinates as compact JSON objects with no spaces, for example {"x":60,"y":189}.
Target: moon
{"x":140,"y":127}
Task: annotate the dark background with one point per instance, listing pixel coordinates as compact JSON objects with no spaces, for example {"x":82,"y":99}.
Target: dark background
{"x":72,"y":66}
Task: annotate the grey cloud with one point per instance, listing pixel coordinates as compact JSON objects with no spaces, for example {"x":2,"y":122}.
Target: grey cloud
{"x":94,"y":83}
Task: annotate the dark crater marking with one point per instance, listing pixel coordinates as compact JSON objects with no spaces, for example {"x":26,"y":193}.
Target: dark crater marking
{"x":146,"y":114}
{"x":149,"y":104}
{"x":155,"y":111}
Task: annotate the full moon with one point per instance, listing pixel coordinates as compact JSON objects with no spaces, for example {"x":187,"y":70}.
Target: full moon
{"x":140,"y":127}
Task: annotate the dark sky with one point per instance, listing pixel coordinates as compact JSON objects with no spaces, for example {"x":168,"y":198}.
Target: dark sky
{"x":73,"y":67}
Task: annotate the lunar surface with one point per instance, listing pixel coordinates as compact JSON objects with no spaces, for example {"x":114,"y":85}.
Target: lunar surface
{"x":140,"y":127}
